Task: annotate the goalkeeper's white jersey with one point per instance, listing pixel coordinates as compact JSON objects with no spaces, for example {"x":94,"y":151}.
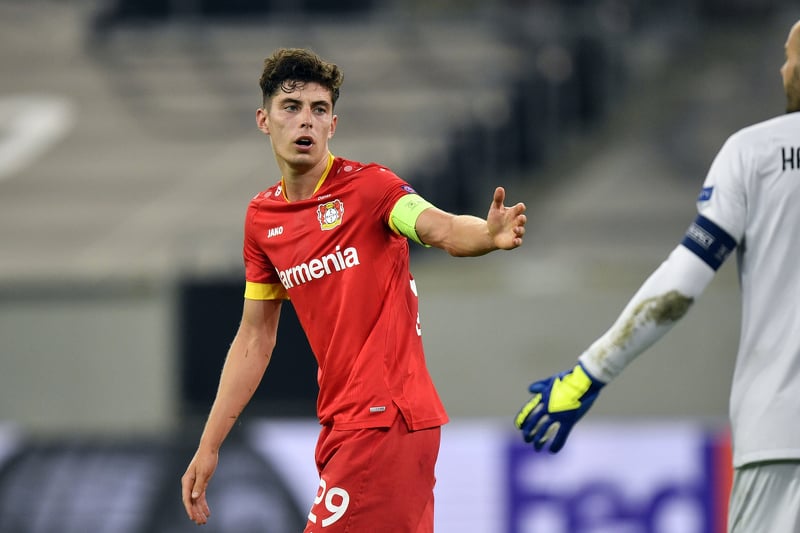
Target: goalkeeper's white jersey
{"x":752,"y":191}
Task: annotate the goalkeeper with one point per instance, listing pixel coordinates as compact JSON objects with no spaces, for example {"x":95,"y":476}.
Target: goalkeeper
{"x":750,"y":202}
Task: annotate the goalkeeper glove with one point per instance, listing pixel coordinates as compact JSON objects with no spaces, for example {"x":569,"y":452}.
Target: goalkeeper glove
{"x":558,"y":402}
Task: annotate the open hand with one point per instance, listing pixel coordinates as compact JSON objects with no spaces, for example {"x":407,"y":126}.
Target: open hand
{"x":506,"y":224}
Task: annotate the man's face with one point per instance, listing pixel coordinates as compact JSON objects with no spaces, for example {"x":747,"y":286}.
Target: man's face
{"x":790,"y":71}
{"x":299,"y":123}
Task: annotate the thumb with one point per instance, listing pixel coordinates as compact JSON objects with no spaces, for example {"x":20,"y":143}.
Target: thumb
{"x":539,"y":386}
{"x":499,"y":197}
{"x":199,"y":487}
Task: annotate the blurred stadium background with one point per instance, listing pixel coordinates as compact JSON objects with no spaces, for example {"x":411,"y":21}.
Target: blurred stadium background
{"x":128,"y":154}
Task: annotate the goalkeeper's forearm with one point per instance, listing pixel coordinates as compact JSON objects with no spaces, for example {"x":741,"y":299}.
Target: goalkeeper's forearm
{"x":655,"y":308}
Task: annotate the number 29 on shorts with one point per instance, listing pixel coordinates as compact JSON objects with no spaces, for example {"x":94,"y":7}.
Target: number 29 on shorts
{"x":336,"y":501}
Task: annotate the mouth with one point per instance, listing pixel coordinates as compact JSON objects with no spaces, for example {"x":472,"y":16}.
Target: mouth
{"x":304,"y":142}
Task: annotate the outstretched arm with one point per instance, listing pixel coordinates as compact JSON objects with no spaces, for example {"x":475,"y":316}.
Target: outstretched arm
{"x":244,"y":367}
{"x":467,"y":235}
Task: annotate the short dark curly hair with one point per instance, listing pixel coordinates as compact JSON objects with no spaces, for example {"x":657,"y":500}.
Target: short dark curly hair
{"x":288,"y":68}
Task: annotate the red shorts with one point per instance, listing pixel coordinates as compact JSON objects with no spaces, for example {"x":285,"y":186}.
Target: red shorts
{"x":375,"y":480}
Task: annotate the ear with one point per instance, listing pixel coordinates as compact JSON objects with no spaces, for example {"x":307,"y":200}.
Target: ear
{"x":262,"y":120}
{"x":334,"y":120}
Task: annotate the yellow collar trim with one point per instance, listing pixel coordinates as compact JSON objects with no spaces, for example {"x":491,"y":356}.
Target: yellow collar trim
{"x":319,"y":183}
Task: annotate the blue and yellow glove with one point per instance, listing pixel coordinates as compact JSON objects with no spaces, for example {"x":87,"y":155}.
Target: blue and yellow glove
{"x":558,"y":402}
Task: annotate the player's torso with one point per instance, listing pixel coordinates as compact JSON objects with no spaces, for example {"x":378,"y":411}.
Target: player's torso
{"x":774,"y":189}
{"x":336,"y":234}
{"x":768,"y":363}
{"x":336,"y":255}
{"x":769,"y":255}
{"x":347,"y":274}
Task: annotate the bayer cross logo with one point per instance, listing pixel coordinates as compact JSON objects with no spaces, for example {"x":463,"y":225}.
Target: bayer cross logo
{"x":330,"y":214}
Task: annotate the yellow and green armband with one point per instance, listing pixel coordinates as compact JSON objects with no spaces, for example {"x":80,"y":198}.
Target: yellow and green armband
{"x":403,"y":218}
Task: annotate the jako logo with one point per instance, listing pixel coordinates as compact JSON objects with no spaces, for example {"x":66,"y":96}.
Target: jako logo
{"x":274,"y":232}
{"x":317,"y":268}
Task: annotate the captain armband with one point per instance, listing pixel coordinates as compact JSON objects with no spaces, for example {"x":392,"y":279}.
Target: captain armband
{"x":403,"y":218}
{"x":264,"y":291}
{"x":709,"y":242}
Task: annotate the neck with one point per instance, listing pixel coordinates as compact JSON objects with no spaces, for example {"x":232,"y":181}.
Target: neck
{"x":300,"y":184}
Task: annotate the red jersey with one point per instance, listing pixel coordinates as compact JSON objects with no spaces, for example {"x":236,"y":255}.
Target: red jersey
{"x":347,"y":274}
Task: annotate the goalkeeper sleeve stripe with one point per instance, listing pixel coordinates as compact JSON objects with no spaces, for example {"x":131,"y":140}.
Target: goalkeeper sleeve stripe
{"x":708,"y":241}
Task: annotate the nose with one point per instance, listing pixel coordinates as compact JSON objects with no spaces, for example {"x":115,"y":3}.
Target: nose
{"x":305,"y":118}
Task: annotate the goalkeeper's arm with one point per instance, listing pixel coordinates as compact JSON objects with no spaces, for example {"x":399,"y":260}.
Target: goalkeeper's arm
{"x":560,"y":401}
{"x":660,"y":302}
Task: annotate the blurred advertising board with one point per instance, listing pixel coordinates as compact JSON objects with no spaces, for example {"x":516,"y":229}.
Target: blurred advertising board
{"x":632,"y":477}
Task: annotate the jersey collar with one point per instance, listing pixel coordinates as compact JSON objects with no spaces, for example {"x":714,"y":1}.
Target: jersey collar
{"x":319,"y":183}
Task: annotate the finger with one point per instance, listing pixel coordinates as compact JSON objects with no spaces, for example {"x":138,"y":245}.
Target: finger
{"x":201,"y":510}
{"x":198,"y":517}
{"x":186,"y":489}
{"x":202,"y":503}
{"x":199,"y":487}
{"x":536,"y":435}
{"x":533,"y":423}
{"x":560,"y":439}
{"x":515,"y":242}
{"x":519,"y":233}
{"x":553,"y":430}
{"x":543,"y":431}
{"x":538,"y":387}
{"x":194,"y":498}
{"x":499,"y":198}
{"x":526,"y":410}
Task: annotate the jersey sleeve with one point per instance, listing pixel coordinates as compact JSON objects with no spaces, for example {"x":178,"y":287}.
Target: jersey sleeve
{"x":262,"y":282}
{"x":721,"y":206}
{"x":672,"y":288}
{"x":397,"y":202}
{"x":722,"y":199}
{"x":662,"y":300}
{"x":404,"y":214}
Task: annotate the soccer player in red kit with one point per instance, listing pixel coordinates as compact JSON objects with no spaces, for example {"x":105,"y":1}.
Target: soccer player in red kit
{"x":333,"y":235}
